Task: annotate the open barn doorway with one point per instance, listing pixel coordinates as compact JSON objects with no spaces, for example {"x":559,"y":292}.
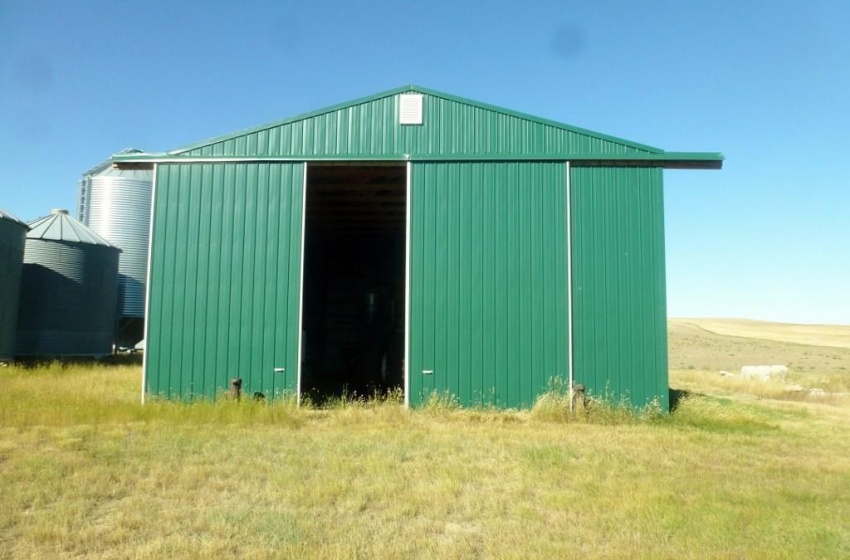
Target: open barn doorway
{"x":353,"y":304}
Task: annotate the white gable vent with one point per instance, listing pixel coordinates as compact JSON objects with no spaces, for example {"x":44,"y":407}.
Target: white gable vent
{"x":410,"y":108}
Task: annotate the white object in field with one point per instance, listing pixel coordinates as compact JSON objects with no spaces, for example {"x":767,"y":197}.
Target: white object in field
{"x":764,"y":372}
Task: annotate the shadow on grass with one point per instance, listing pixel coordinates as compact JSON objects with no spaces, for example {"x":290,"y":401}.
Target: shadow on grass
{"x":68,"y":361}
{"x":716,"y":414}
{"x":677,"y":396}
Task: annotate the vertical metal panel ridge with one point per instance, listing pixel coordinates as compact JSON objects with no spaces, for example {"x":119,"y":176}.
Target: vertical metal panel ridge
{"x":192,"y":280}
{"x":569,"y":272}
{"x":205,"y":273}
{"x":296,"y":202}
{"x":224,"y":290}
{"x":305,"y":173}
{"x":182,"y":291}
{"x":450,"y":127}
{"x":618,"y":283}
{"x":153,"y":370}
{"x":148,"y":286}
{"x":488,"y":281}
{"x":407,"y":288}
{"x":662,"y":348}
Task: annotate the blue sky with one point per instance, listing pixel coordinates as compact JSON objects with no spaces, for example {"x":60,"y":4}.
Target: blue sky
{"x":765,"y":82}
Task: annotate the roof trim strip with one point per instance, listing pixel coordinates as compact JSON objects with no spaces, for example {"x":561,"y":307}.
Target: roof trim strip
{"x":668,"y":160}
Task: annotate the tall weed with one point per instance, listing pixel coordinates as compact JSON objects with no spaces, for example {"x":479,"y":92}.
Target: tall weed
{"x":559,"y":404}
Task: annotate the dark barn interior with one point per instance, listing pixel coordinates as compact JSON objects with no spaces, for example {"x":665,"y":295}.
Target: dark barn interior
{"x":354,"y":280}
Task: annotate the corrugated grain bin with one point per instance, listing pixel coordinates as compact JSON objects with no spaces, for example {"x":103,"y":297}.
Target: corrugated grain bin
{"x":69,"y":290}
{"x":12,"y":234}
{"x":116,"y":205}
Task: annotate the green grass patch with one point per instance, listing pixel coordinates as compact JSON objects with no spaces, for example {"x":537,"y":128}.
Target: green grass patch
{"x":722,"y":415}
{"x":87,"y":472}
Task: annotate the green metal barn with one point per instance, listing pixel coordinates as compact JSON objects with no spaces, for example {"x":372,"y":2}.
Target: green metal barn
{"x":409,"y":239}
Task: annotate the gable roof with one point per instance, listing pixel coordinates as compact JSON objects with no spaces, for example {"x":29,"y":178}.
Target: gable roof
{"x":465,"y":105}
{"x":453,"y":128}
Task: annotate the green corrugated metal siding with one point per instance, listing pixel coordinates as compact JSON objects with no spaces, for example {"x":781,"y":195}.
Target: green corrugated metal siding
{"x":488,"y":272}
{"x":488,"y":280}
{"x":451,"y":126}
{"x":224,"y":295}
{"x":619,"y":302}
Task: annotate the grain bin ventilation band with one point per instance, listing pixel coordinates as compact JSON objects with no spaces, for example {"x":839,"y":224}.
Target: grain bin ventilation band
{"x":410,"y":108}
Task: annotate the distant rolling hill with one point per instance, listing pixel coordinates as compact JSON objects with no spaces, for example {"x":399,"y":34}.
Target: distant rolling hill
{"x":728,"y":344}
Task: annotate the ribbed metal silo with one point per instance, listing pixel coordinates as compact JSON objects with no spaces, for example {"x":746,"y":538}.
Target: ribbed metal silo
{"x":12,"y":234}
{"x":116,"y":205}
{"x":69,"y":290}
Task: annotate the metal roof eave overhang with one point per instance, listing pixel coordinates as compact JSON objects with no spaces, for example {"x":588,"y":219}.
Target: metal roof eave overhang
{"x":666,"y":160}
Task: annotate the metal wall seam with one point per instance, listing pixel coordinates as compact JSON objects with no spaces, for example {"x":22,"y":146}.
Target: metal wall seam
{"x":407,"y":290}
{"x":569,"y":244}
{"x":301,"y":281}
{"x":148,"y":287}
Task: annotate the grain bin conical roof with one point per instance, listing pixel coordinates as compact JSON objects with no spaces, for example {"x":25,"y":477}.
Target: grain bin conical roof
{"x":59,"y":226}
{"x":104,"y":166}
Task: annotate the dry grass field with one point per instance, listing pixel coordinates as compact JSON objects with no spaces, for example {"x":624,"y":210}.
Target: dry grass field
{"x":837,"y":336}
{"x":737,"y":470}
{"x":728,"y":344}
{"x":818,"y":365}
